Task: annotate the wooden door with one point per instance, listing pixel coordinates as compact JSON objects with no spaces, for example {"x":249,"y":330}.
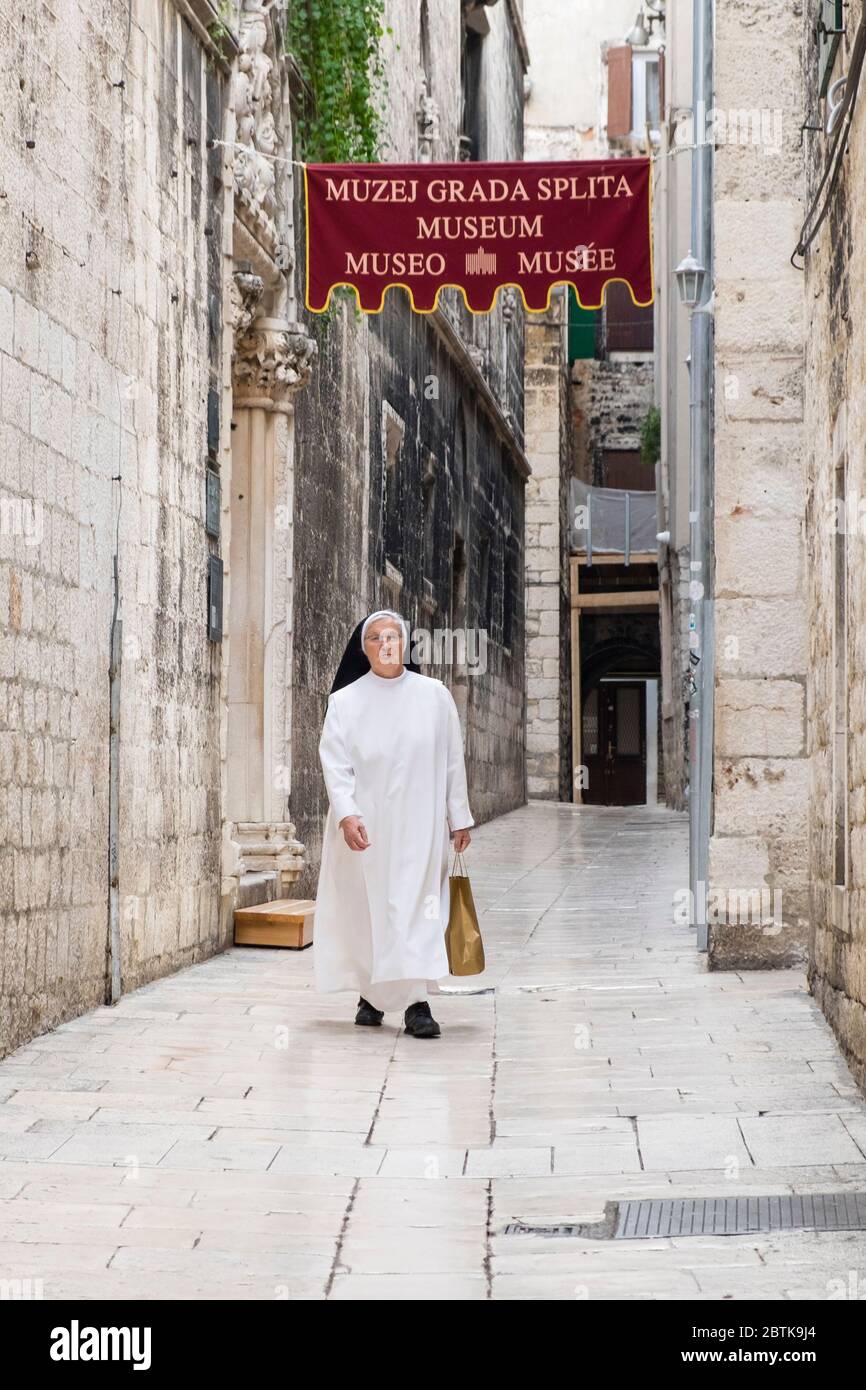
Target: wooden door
{"x":614,"y":744}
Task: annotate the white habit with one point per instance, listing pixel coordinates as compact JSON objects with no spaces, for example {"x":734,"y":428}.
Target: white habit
{"x":392,"y":753}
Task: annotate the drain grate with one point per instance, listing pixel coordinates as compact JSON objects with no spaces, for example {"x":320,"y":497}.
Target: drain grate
{"x":739,"y":1216}
{"x":713,"y":1216}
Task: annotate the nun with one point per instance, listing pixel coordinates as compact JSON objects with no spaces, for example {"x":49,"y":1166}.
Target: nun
{"x":392,"y":756}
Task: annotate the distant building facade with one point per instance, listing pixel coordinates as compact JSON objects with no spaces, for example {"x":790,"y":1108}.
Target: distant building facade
{"x":594,"y":717}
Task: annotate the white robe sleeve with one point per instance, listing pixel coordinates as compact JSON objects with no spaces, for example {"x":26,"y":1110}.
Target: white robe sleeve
{"x":456,"y":795}
{"x":337,"y":767}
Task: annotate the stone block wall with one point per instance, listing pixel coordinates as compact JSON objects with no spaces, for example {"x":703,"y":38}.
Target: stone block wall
{"x":761,"y":774}
{"x":355,"y":549}
{"x":548,"y":638}
{"x":610,"y":401}
{"x":109,"y":282}
{"x":835,"y":466}
{"x":120,"y":226}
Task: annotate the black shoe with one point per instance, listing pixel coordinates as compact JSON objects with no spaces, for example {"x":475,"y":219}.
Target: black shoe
{"x":420,"y":1022}
{"x":367,"y":1015}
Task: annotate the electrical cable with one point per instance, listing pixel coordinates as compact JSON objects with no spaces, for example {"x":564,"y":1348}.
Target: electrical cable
{"x":833,"y":169}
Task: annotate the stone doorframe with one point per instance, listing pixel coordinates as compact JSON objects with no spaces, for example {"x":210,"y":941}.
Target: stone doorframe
{"x":269,"y":358}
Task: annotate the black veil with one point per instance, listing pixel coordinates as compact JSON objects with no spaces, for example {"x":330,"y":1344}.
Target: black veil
{"x":354,"y":662}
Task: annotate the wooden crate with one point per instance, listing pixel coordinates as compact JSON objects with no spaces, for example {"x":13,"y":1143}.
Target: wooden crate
{"x":285,"y":922}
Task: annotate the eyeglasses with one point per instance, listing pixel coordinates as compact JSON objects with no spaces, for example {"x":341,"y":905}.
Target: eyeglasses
{"x":379,"y":637}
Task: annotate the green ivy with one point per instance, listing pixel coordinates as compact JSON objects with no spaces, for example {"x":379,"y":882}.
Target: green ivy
{"x":651,"y":437}
{"x":222,"y":33}
{"x":337,"y":45}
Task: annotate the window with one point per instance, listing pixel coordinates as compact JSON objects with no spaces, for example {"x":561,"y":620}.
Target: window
{"x":393,"y":431}
{"x":424,"y":40}
{"x":645,"y":95}
{"x":458,"y":583}
{"x":581,"y":329}
{"x":625,"y":468}
{"x":485,"y":587}
{"x":509,"y":596}
{"x":428,"y":503}
{"x":626,"y":326}
{"x":460,"y":475}
{"x":830,"y":27}
{"x":472,"y":139}
{"x":619,"y":92}
{"x":629,"y":740}
{"x":590,"y":724}
{"x":635,"y":98}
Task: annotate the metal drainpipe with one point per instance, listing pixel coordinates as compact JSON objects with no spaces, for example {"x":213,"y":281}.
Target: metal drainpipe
{"x":701,"y":478}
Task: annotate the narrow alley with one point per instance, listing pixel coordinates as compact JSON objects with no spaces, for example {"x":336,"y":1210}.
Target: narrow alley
{"x":226,"y":1132}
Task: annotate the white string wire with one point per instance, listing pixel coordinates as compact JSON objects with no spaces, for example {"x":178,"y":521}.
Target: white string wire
{"x":301,"y":163}
{"x":274,"y":158}
{"x":668,"y":154}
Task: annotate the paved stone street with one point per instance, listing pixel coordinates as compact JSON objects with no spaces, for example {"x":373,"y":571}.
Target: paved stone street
{"x":228,"y":1133}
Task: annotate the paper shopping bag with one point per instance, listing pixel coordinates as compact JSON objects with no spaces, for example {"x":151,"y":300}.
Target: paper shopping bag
{"x":463,"y":936}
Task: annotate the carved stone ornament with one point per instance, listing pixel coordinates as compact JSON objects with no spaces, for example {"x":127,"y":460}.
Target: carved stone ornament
{"x":259,"y":173}
{"x":246,"y":292}
{"x":478,"y":355}
{"x":427,"y":117}
{"x":272,"y":359}
{"x":270,"y":846}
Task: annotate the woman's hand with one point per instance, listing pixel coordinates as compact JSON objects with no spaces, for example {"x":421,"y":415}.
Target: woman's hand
{"x":460,"y":839}
{"x":354,"y":833}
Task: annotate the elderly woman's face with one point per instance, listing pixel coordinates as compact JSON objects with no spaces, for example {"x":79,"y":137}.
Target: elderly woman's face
{"x":383,"y":645}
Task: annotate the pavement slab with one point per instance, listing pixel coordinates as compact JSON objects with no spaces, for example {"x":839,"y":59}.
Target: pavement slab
{"x":227,"y":1132}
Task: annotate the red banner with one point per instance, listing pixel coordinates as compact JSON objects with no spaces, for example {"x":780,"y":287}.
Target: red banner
{"x":478,"y":226}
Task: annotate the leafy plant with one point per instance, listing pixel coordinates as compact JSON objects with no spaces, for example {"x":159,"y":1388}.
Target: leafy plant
{"x":651,"y":437}
{"x":337,"y":45}
{"x":221,"y":32}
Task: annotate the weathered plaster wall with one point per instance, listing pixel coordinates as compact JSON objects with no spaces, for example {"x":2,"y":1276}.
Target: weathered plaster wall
{"x":566,"y":105}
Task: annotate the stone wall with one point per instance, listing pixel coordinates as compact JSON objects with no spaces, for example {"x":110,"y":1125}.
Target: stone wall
{"x":548,"y":637}
{"x":573,"y":415}
{"x":359,"y":545}
{"x":673,"y":715}
{"x":836,"y":447}
{"x":148,"y":327}
{"x":110,"y":235}
{"x":672,"y":231}
{"x":610,"y":401}
{"x":760,"y":810}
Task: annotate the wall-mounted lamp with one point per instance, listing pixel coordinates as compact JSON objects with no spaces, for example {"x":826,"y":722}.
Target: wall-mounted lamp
{"x":648,"y":17}
{"x":690,"y":277}
{"x":638,"y":34}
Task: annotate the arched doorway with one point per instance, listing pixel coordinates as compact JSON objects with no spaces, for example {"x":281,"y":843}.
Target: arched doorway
{"x":619,"y":723}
